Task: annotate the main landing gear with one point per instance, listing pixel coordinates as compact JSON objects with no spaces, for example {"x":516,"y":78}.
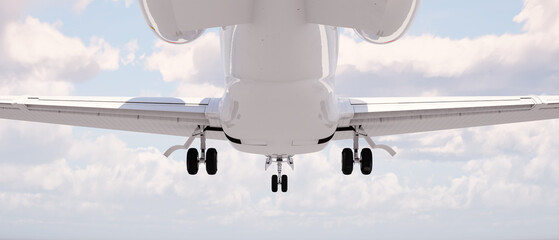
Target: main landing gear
{"x":195,"y":158}
{"x":351,"y":156}
{"x":208,"y":157}
{"x":279,"y":180}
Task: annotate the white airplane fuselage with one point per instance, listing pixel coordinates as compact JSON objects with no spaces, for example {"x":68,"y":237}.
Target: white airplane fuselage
{"x":279,"y":97}
{"x":280,"y":59}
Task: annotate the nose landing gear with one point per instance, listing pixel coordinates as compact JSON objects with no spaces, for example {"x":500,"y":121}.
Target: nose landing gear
{"x":279,"y":179}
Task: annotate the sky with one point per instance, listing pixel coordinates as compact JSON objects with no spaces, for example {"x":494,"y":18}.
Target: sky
{"x":61,"y":182}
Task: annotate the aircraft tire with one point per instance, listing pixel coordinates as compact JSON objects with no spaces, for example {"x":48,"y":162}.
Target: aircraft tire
{"x":347,"y":161}
{"x":284,"y":183}
{"x":366,"y":161}
{"x":211,"y":161}
{"x":274,"y":183}
{"x":192,"y":161}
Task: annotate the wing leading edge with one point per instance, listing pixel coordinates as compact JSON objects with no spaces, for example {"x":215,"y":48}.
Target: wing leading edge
{"x":171,"y":116}
{"x":390,"y":116}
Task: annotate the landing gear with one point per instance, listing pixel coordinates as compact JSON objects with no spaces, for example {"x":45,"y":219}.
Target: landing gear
{"x":193,"y":161}
{"x":283,"y":183}
{"x":347,"y":161}
{"x":366,"y":161}
{"x":279,"y":179}
{"x":351,"y":156}
{"x":211,"y":161}
{"x":276,"y":182}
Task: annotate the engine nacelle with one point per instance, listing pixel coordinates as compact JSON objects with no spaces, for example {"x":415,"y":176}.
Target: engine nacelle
{"x":160,"y":16}
{"x":182,"y":21}
{"x":396,"y":18}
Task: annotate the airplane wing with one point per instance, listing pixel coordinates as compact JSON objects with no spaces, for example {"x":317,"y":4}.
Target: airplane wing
{"x":160,"y":115}
{"x":390,"y":116}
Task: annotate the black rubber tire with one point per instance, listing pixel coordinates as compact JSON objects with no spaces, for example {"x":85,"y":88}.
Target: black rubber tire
{"x":211,"y":161}
{"x":347,"y":161}
{"x":192,"y":161}
{"x":366,"y":161}
{"x":274,"y":183}
{"x":284,"y":183}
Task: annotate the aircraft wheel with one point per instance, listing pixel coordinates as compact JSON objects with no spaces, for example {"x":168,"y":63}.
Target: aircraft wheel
{"x":284,"y":183}
{"x":366,"y":161}
{"x":192,"y":161}
{"x":211,"y":161}
{"x":274,"y":183}
{"x":347,"y":161}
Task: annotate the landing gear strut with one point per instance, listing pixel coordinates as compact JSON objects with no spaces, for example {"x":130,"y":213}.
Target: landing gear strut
{"x":279,"y":180}
{"x":351,"y":156}
{"x":209,"y":157}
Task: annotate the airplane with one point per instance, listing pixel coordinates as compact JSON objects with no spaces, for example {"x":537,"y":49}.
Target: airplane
{"x":280,"y":59}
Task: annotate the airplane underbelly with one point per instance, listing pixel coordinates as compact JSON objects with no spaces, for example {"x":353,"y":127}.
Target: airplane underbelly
{"x":284,"y":118}
{"x":280,"y":75}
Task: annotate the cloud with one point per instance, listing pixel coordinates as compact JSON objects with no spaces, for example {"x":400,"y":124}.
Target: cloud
{"x":104,"y":177}
{"x":80,"y":5}
{"x":38,"y":59}
{"x":539,"y":17}
{"x":434,"y":56}
{"x":202,"y":90}
{"x":10,"y":10}
{"x":32,"y":42}
{"x":426,"y":64}
{"x":196,"y":66}
{"x":192,"y":62}
{"x":130,"y":47}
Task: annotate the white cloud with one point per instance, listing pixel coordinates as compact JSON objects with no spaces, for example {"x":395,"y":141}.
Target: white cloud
{"x":80,"y":5}
{"x":199,"y":90}
{"x":10,"y":10}
{"x":539,"y":17}
{"x":105,"y":55}
{"x":194,"y":62}
{"x":130,"y":48}
{"x":196,"y":66}
{"x":38,"y":59}
{"x":98,"y":167}
{"x":105,"y":169}
{"x":434,"y":56}
{"x":105,"y":175}
{"x":444,"y":57}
